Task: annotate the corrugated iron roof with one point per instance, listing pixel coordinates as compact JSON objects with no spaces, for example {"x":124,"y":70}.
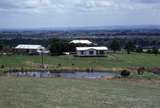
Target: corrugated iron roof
{"x":89,"y":48}
{"x":25,"y":46}
{"x":81,"y":42}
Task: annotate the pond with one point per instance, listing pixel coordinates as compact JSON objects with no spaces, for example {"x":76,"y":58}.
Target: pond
{"x":85,"y":75}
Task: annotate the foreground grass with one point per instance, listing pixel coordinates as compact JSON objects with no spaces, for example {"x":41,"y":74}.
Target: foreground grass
{"x":111,"y":61}
{"x":68,"y":93}
{"x":145,"y":75}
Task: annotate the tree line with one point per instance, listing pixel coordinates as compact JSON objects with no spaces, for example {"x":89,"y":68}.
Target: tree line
{"x":58,"y":46}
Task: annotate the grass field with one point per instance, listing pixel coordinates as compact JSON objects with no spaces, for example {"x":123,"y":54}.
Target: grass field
{"x":69,"y":93}
{"x":138,"y":91}
{"x":111,"y":61}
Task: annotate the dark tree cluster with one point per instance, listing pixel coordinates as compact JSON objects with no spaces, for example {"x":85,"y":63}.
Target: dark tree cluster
{"x":130,"y":46}
{"x":1,"y":47}
{"x":115,"y":45}
{"x":59,"y":46}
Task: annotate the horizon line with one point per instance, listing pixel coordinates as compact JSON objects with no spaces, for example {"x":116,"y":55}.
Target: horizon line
{"x":79,"y":27}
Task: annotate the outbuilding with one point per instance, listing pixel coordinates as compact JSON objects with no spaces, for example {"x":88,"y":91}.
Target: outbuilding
{"x":86,"y":42}
{"x":150,"y":48}
{"x":147,"y":49}
{"x":91,"y":51}
{"x":30,"y":49}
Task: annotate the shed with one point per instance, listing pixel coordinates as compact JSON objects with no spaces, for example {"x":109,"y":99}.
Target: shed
{"x":30,"y":49}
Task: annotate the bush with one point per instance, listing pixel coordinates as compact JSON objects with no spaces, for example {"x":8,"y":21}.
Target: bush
{"x":2,"y":66}
{"x":125,"y":73}
{"x":59,"y":65}
{"x":149,"y":51}
{"x":140,"y":70}
{"x":139,"y":50}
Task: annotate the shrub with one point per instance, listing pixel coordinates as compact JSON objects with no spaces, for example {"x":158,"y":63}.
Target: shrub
{"x":2,"y":66}
{"x":73,"y":64}
{"x":59,"y":65}
{"x":125,"y":73}
{"x":149,"y":51}
{"x":140,"y":70}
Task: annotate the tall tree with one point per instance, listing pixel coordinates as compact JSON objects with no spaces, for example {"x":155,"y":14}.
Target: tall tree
{"x":115,"y":45}
{"x":1,"y":47}
{"x":57,"y":46}
{"x":130,"y":47}
{"x":155,"y":51}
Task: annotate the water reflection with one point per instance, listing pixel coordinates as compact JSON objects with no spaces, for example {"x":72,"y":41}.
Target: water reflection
{"x":88,"y":75}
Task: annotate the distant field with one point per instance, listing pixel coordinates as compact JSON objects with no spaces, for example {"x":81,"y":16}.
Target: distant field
{"x":111,"y":61}
{"x":68,"y":93}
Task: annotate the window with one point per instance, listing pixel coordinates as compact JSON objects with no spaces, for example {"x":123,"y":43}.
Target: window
{"x":91,"y":52}
{"x":82,"y":52}
{"x":101,"y":52}
{"x":97,"y":52}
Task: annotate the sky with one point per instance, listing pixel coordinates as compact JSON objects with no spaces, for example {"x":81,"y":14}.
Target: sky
{"x":78,"y":13}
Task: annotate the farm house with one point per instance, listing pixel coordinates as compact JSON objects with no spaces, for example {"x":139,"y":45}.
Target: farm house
{"x":91,"y":51}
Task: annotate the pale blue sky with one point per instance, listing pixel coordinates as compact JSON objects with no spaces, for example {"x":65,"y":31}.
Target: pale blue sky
{"x":74,"y":13}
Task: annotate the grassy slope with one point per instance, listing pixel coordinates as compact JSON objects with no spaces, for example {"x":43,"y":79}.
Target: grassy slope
{"x":67,"y":93}
{"x":112,"y":61}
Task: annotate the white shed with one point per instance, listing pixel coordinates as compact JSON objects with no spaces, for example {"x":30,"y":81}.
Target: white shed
{"x":91,"y":51}
{"x":30,"y":49}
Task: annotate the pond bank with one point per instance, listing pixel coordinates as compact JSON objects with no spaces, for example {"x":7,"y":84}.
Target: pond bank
{"x":133,"y":75}
{"x":76,"y":75}
{"x":91,"y":70}
{"x":69,"y":69}
{"x":63,"y":69}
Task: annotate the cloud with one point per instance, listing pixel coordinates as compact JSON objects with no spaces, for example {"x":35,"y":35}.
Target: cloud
{"x":28,"y":5}
{"x":41,"y":6}
{"x":117,"y":5}
{"x":22,"y":13}
{"x":146,"y":1}
{"x":23,"y":4}
{"x":95,"y":4}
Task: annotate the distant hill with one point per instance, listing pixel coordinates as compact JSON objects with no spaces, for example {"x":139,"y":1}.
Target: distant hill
{"x":82,"y":32}
{"x":116,"y":27}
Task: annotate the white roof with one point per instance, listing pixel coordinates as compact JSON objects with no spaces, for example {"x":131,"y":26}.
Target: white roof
{"x":24,"y":46}
{"x":81,"y":42}
{"x":90,"y":48}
